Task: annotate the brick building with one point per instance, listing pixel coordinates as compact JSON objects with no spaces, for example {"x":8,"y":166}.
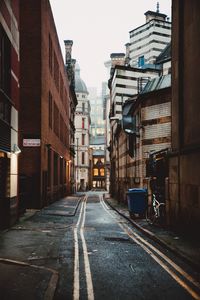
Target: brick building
{"x":70,"y":69}
{"x":44,"y":108}
{"x":9,"y":107}
{"x":145,"y":128}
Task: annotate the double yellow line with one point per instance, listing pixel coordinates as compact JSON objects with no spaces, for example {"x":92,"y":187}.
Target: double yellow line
{"x":161,"y":259}
{"x":79,"y":228}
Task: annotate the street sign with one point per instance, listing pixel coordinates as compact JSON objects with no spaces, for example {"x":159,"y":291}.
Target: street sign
{"x":31,"y":142}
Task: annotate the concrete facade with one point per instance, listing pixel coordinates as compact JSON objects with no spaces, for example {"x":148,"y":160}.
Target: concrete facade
{"x":148,"y":40}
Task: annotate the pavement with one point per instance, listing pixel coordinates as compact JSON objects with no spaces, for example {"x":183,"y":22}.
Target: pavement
{"x":29,"y":252}
{"x":185,"y":247}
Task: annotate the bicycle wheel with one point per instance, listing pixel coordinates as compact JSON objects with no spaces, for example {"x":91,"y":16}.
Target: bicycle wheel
{"x":150,"y":215}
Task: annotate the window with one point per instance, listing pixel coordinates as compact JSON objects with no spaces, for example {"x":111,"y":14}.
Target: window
{"x":83,"y":158}
{"x":83,"y":107}
{"x":83,"y":139}
{"x":56,"y":71}
{"x":65,"y":171}
{"x":61,"y":171}
{"x":50,"y":110}
{"x":61,"y":87}
{"x":49,"y":167}
{"x":95,"y":172}
{"x":141,"y":61}
{"x":56,"y":120}
{"x":99,"y":161}
{"x":55,"y":166}
{"x":95,"y":160}
{"x":62,"y":129}
{"x":5,"y":109}
{"x":50,"y":55}
{"x":102,"y":172}
{"x":132,"y":144}
{"x":83,"y":123}
{"x":5,"y":58}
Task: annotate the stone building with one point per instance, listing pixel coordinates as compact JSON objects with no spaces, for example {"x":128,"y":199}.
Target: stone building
{"x":97,"y":138}
{"x":98,"y":168}
{"x":126,"y":82}
{"x":82,"y":126}
{"x":44,"y":108}
{"x":148,"y":40}
{"x":9,"y":111}
{"x":184,"y":168}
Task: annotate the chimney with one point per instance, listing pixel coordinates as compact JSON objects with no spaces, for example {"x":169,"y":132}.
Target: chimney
{"x":68,"y":50}
{"x":69,"y":62}
{"x":157,"y":7}
{"x":73,"y":63}
{"x":127,"y":57}
{"x":116,"y":59}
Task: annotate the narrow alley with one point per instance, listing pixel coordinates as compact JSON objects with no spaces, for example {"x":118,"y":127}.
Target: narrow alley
{"x":99,"y":150}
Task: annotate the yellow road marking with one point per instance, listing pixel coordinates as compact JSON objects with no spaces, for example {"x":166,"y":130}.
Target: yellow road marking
{"x":143,"y":242}
{"x":80,"y":224}
{"x":76,"y":287}
{"x":86,"y":259}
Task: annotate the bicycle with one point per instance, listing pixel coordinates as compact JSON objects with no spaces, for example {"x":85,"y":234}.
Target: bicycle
{"x":155,"y":212}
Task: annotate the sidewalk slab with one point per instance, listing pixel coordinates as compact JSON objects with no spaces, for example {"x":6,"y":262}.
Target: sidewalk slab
{"x":30,"y":282}
{"x":30,"y":251}
{"x":64,"y":207}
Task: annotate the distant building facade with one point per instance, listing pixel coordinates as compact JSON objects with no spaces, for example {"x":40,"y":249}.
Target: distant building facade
{"x":9,"y":112}
{"x":44,"y":108}
{"x":96,"y":114}
{"x":70,"y":70}
{"x":148,"y":40}
{"x":126,"y":82}
{"x":82,"y":127}
{"x":97,"y":139}
{"x":98,"y":168}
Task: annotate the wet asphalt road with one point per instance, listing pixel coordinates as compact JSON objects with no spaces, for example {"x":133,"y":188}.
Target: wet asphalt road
{"x":120,"y":268}
{"x":95,"y":253}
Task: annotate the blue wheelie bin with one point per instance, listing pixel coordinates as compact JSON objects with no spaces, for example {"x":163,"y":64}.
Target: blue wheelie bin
{"x":137,"y":201}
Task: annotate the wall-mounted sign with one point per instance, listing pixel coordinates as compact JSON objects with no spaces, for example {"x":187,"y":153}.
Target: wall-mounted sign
{"x":31,"y":142}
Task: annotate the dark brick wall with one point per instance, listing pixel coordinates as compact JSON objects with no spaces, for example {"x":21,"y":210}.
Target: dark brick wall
{"x":184,"y":179}
{"x":37,"y":81}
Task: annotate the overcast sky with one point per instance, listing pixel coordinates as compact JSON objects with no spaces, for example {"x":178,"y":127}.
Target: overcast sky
{"x":99,"y":28}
